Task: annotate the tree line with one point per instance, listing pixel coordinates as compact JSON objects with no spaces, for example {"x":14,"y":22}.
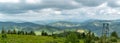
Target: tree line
{"x":90,"y":37}
{"x":17,"y":32}
{"x":3,"y":31}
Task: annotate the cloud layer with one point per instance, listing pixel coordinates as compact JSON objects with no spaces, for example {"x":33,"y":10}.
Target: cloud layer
{"x":72,"y":10}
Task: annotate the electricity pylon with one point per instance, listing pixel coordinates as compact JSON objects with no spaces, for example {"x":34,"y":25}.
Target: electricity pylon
{"x":105,"y":32}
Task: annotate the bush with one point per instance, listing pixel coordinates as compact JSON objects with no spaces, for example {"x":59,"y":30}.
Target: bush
{"x":72,"y":38}
{"x":4,"y":36}
{"x":114,"y":40}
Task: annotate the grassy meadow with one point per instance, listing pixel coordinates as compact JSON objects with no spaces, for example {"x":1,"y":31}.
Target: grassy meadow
{"x":13,"y":38}
{"x":30,"y":39}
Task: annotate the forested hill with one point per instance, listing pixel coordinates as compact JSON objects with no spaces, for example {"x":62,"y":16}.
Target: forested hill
{"x":93,"y":25}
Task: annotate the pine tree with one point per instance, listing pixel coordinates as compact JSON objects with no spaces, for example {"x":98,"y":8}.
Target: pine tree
{"x":9,"y":32}
{"x":26,"y":33}
{"x":14,"y":31}
{"x":44,"y":33}
{"x":20,"y":33}
{"x":32,"y":33}
{"x":3,"y":31}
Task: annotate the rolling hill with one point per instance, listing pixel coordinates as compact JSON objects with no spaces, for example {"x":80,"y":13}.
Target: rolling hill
{"x":92,"y":25}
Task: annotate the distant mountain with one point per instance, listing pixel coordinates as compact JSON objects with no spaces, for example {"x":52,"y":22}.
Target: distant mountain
{"x":25,"y":26}
{"x":64,"y":24}
{"x":12,"y":25}
{"x":94,"y":25}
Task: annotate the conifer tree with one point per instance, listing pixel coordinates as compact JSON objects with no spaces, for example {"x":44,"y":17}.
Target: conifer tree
{"x":20,"y":33}
{"x":26,"y":33}
{"x":9,"y":32}
{"x":14,"y":31}
{"x":32,"y":33}
{"x":43,"y":33}
{"x":3,"y":31}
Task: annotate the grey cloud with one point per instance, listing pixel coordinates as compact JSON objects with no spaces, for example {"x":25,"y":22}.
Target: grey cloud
{"x":113,"y":3}
{"x":22,"y":7}
{"x":14,"y":8}
{"x":91,"y":3}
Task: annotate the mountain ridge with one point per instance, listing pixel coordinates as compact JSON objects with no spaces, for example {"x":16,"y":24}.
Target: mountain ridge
{"x":92,"y":25}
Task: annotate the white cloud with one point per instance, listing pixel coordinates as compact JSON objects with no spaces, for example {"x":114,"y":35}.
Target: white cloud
{"x":33,"y":1}
{"x":44,"y":14}
{"x":57,"y":12}
{"x":102,"y":12}
{"x":118,"y":2}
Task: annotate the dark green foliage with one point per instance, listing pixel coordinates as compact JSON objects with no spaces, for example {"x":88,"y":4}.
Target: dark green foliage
{"x":66,"y":33}
{"x":96,"y":38}
{"x":54,"y":36}
{"x":4,"y":36}
{"x":90,"y":37}
{"x":44,"y":33}
{"x":114,"y":37}
{"x":113,"y":40}
{"x":3,"y":31}
{"x":26,"y":33}
{"x":114,"y":34}
{"x":14,"y":32}
{"x":83,"y":35}
{"x":87,"y":37}
{"x":31,"y":33}
{"x":20,"y":33}
{"x":72,"y":38}
{"x":9,"y":32}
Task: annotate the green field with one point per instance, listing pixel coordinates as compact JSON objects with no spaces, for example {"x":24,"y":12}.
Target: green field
{"x":12,"y":38}
{"x":30,"y":39}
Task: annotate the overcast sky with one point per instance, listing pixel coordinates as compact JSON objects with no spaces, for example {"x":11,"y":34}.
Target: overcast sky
{"x":43,"y":10}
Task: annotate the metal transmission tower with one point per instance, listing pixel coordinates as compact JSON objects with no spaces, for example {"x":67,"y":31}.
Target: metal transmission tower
{"x":105,"y":32}
{"x":105,"y":29}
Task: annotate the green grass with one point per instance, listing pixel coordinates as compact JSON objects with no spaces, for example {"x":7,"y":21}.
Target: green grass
{"x":81,"y":41}
{"x":30,"y":39}
{"x":12,"y":38}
